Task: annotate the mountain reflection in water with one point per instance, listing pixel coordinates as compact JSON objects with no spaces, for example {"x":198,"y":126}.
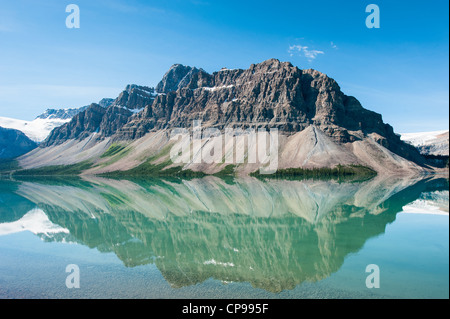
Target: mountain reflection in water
{"x":273,"y":234}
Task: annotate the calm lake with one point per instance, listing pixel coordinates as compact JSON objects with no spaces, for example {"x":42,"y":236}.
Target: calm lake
{"x":224,"y":238}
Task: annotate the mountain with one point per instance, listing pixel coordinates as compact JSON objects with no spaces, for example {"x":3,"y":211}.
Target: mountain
{"x":429,"y":143}
{"x":14,"y":143}
{"x":319,"y":126}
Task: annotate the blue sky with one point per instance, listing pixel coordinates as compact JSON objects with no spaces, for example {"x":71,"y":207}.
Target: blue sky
{"x":400,"y":70}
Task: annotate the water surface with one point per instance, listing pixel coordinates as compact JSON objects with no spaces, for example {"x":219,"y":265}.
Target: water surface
{"x":216,"y":238}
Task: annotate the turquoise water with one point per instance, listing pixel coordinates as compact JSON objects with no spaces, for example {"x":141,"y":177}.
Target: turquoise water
{"x":216,"y":238}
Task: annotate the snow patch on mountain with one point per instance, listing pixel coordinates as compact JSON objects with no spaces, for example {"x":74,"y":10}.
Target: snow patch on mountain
{"x":39,"y":129}
{"x":422,"y":137}
{"x":429,"y":143}
{"x":36,"y":130}
{"x":61,"y":114}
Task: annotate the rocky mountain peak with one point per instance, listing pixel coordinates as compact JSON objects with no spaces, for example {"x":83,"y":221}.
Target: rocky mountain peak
{"x":106,"y":102}
{"x":178,"y":76}
{"x":135,"y":97}
{"x":62,"y":114}
{"x":270,"y":65}
{"x":69,"y":113}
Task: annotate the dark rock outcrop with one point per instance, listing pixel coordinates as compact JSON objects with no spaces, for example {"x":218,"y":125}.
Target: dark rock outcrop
{"x":104,"y":118}
{"x":113,"y":119}
{"x":95,"y":119}
{"x":80,"y":127}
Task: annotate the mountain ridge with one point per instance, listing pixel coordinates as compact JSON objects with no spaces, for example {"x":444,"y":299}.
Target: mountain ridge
{"x":434,"y":143}
{"x":270,"y":94}
{"x":41,"y":127}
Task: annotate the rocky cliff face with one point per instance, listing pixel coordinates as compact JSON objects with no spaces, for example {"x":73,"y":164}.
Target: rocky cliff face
{"x":14,"y":143}
{"x":104,"y":118}
{"x":135,"y":97}
{"x":177,"y":77}
{"x":80,"y":127}
{"x":95,"y":119}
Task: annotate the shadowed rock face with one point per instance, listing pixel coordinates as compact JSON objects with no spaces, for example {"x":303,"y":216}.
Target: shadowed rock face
{"x":95,"y":119}
{"x":135,"y":97}
{"x":80,"y":127}
{"x":104,"y":118}
{"x":274,"y":235}
{"x":177,"y":77}
{"x":14,"y":143}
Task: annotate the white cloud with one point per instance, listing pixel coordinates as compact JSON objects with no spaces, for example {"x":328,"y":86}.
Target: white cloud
{"x":333,"y":45}
{"x":304,"y":51}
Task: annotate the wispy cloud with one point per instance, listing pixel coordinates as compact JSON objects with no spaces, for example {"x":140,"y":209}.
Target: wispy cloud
{"x":333,"y":45}
{"x":304,"y":51}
